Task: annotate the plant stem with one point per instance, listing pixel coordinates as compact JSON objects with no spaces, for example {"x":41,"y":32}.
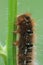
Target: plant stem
{"x":11,"y":17}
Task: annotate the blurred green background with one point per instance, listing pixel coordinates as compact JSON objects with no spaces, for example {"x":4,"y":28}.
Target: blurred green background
{"x":35,"y":7}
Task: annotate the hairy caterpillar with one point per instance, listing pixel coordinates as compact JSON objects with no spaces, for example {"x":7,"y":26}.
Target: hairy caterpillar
{"x":25,"y":35}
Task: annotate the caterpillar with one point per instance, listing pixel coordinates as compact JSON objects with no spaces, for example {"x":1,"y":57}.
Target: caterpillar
{"x":25,"y":38}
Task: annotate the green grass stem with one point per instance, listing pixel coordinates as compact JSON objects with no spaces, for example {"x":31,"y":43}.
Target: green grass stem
{"x":11,"y":19}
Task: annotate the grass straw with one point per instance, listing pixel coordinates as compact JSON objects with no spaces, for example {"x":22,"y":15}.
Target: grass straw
{"x":11,"y":18}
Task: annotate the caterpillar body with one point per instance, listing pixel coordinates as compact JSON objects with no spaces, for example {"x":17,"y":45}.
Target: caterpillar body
{"x":25,"y":42}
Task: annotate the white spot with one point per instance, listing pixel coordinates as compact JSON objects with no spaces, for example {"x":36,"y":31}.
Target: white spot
{"x":28,"y":30}
{"x":25,"y":51}
{"x":24,"y":62}
{"x":28,"y":43}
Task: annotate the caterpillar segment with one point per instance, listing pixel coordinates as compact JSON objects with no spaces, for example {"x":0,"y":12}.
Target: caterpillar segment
{"x":25,"y":36}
